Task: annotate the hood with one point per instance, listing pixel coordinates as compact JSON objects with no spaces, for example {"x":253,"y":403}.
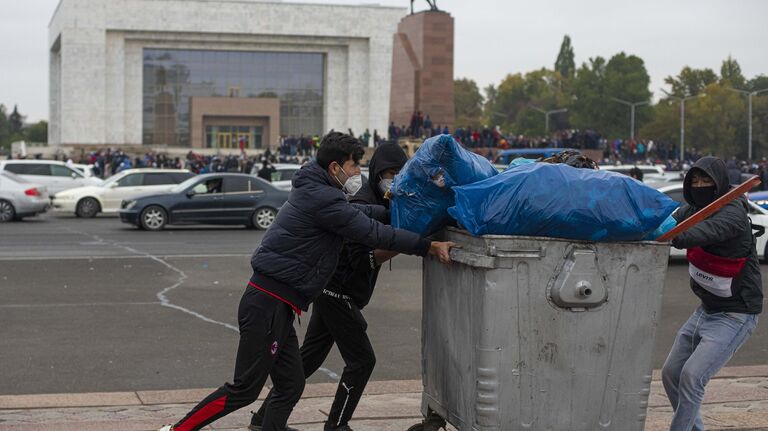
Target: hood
{"x":386,"y":156}
{"x":312,"y":173}
{"x":715,"y":168}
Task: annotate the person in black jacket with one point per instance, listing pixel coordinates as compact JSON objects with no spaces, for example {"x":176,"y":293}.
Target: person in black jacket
{"x":336,"y":314}
{"x":293,"y":264}
{"x":725,"y":275}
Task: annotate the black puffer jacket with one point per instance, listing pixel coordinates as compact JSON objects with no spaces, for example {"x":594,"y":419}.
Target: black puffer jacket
{"x":357,"y":271}
{"x":728,"y":234}
{"x":300,"y":251}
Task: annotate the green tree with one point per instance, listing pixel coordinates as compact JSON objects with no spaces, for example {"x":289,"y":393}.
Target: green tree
{"x":690,"y":82}
{"x":715,"y":124}
{"x":37,"y":132}
{"x":627,"y":79}
{"x":589,"y":101}
{"x":468,"y":103}
{"x":565,"y":64}
{"x":758,"y":83}
{"x":16,"y":120}
{"x":730,"y":72}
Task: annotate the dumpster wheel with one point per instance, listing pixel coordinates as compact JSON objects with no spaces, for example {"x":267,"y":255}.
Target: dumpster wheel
{"x":431,"y":423}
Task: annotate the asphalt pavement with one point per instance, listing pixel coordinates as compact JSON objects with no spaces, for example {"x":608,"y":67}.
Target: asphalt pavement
{"x":97,"y":305}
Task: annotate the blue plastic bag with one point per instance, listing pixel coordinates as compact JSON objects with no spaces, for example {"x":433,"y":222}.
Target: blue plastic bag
{"x":422,"y":191}
{"x":556,"y":200}
{"x":665,"y":227}
{"x":519,"y":162}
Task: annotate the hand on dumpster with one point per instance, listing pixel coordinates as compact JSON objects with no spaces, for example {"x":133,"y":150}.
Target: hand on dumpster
{"x":442,"y":250}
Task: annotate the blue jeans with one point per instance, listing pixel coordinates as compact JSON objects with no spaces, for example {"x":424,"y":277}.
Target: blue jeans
{"x":703,"y":345}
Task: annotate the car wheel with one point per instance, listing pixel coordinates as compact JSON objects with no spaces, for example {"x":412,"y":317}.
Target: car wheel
{"x":7,"y":212}
{"x":263,"y":218}
{"x":153,"y":218}
{"x":87,"y":208}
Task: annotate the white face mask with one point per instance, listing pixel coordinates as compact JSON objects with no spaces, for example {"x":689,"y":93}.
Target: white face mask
{"x":352,"y":185}
{"x":385,"y":185}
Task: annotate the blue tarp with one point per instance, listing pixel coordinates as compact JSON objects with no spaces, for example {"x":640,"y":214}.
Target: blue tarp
{"x":422,"y":191}
{"x":556,"y":200}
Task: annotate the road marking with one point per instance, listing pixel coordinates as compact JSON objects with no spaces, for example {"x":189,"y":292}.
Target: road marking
{"x":164,"y":301}
{"x":85,"y":304}
{"x":130,"y":256}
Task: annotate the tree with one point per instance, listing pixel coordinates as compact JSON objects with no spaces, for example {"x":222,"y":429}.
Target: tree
{"x":5,"y":127}
{"x":730,"y":72}
{"x":690,"y":82}
{"x":716,"y":124}
{"x":468,"y":103}
{"x":758,"y":83}
{"x":588,"y":104}
{"x":565,"y":63}
{"x":16,"y":120}
{"x":37,"y":132}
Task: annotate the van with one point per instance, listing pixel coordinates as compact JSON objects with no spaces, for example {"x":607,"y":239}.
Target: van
{"x":54,"y":175}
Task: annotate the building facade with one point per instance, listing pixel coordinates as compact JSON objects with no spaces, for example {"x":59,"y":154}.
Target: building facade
{"x":223,"y":74}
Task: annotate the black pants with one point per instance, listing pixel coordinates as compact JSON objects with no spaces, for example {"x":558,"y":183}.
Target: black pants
{"x":268,"y":347}
{"x":335,"y":321}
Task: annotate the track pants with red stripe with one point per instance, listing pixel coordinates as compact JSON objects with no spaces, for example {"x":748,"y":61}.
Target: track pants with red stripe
{"x":268,"y":347}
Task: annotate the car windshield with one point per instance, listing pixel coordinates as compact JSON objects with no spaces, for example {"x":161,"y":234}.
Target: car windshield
{"x":184,"y":185}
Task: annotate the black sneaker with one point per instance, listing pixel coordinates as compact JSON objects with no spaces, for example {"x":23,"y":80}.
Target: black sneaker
{"x":253,"y":427}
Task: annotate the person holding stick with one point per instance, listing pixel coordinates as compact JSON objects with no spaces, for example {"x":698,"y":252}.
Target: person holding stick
{"x":725,"y":275}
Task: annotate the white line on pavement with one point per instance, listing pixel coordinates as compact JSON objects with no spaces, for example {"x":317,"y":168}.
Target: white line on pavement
{"x":161,"y":295}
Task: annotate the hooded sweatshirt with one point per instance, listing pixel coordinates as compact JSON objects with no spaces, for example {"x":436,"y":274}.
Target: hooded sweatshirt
{"x":723,"y":264}
{"x":300,"y":251}
{"x":357,"y":272}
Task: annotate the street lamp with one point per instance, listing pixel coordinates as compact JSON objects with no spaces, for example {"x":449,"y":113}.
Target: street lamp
{"x":632,"y":121}
{"x":546,"y":116}
{"x":682,"y":118}
{"x":749,"y":94}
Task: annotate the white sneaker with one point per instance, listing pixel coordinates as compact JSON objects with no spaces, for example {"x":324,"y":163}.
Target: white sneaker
{"x":166,"y":428}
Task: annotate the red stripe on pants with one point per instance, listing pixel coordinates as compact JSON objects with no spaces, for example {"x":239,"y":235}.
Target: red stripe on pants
{"x":211,"y":409}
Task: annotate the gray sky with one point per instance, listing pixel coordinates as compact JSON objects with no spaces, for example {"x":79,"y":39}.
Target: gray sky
{"x":493,"y":38}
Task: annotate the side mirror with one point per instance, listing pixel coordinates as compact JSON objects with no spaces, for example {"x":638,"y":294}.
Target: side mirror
{"x":113,"y":185}
{"x":190,"y":193}
{"x":74,"y":176}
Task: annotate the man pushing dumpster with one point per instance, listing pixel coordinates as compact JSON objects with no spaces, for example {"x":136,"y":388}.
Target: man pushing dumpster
{"x":291,"y":267}
{"x":725,"y":275}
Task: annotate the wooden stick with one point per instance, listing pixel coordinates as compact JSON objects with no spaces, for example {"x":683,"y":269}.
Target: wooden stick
{"x":710,"y":209}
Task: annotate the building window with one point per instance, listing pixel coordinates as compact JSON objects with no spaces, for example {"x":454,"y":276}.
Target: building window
{"x":173,"y":77}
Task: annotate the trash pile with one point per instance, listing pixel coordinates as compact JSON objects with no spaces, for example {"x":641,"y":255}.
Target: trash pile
{"x":423,"y":190}
{"x":564,"y":196}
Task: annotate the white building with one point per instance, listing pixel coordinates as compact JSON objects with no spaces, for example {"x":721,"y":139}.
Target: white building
{"x":216,"y":73}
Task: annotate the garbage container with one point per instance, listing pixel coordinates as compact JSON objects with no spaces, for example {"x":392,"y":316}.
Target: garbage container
{"x":524,"y":333}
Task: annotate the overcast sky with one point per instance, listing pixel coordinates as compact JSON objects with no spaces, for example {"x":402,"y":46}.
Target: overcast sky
{"x":493,"y":38}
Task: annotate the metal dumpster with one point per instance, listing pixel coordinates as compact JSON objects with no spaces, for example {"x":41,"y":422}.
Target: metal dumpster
{"x":524,"y":333}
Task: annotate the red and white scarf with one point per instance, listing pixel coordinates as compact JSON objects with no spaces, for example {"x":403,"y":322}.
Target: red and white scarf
{"x":714,"y":273}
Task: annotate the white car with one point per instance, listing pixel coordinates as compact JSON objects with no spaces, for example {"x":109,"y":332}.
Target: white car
{"x":624,"y":169}
{"x":128,"y":184}
{"x":20,"y":198}
{"x":282,"y":178}
{"x":54,"y":175}
{"x":757,"y":214}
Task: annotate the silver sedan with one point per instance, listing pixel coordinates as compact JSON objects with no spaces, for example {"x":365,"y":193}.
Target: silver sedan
{"x":20,"y":198}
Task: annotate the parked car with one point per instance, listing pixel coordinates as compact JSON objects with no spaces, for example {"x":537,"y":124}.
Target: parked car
{"x":651,"y":173}
{"x":128,"y":184}
{"x":229,"y":199}
{"x":20,"y":198}
{"x":54,"y":175}
{"x":284,"y":175}
{"x":757,"y":214}
{"x":86,"y":170}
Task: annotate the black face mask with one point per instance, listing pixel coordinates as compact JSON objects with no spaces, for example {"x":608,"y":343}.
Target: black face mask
{"x":703,"y":196}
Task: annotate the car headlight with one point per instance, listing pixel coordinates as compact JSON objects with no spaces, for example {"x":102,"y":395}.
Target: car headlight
{"x":126,"y":205}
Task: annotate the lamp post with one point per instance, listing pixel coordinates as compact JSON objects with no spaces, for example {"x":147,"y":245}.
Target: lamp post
{"x":749,"y":94}
{"x":682,"y":118}
{"x":632,"y":106}
{"x":547,"y":114}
